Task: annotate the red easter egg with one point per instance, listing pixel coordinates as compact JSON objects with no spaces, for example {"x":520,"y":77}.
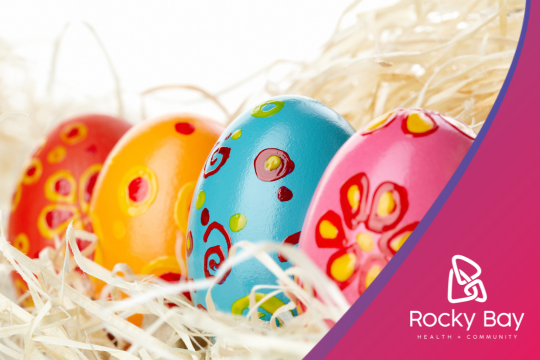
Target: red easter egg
{"x":57,"y":181}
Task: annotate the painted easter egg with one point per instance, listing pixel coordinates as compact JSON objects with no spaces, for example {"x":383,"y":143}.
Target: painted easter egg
{"x":256,"y":185}
{"x":376,"y":190}
{"x":57,"y":183}
{"x":142,"y":197}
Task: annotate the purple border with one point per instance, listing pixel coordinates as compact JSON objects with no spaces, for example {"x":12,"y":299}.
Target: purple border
{"x":321,"y":350}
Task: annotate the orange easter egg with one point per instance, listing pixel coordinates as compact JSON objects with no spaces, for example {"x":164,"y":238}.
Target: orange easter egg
{"x":141,"y":204}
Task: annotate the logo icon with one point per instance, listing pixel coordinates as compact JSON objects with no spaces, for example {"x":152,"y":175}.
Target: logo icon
{"x":473,"y":285}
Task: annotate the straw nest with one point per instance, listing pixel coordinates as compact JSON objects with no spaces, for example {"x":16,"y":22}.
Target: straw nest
{"x":447,"y":55}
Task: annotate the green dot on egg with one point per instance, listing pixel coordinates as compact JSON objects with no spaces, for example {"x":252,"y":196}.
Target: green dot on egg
{"x":200,"y":200}
{"x":236,"y":134}
{"x":268,"y":108}
{"x":237,"y":222}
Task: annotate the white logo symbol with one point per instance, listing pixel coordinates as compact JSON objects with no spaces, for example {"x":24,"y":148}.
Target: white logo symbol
{"x":471,"y":282}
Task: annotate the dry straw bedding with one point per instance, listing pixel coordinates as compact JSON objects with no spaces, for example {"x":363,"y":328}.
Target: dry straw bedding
{"x":450,"y":56}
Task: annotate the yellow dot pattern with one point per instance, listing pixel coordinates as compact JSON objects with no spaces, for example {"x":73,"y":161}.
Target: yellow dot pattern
{"x":378,"y":123}
{"x":57,"y":154}
{"x":34,"y":177}
{"x":67,"y":131}
{"x":22,"y":243}
{"x":130,"y":207}
{"x":272,"y":162}
{"x":365,"y":241}
{"x":50,"y":191}
{"x":386,"y":205}
{"x":353,"y":197}
{"x":328,"y":230}
{"x":343,"y":267}
{"x":418,"y":123}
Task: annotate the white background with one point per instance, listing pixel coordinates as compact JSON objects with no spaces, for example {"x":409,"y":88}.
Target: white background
{"x":211,"y":44}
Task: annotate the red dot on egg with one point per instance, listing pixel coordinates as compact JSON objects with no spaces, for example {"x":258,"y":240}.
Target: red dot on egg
{"x":205,"y":217}
{"x":73,"y":132}
{"x":284,"y":194}
{"x":184,"y":128}
{"x":228,"y":136}
{"x":171,"y":277}
{"x":31,"y":171}
{"x":92,"y":149}
{"x":90,"y":187}
{"x":62,"y":187}
{"x":57,"y":217}
{"x":138,"y":189}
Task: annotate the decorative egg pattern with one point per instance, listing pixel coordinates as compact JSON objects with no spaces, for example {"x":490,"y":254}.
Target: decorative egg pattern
{"x":377,"y":189}
{"x":58,"y":181}
{"x":256,"y":185}
{"x":60,"y":173}
{"x":142,"y":197}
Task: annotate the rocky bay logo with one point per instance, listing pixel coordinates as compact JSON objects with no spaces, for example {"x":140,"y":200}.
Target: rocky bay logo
{"x":474,"y":290}
{"x":471,"y":283}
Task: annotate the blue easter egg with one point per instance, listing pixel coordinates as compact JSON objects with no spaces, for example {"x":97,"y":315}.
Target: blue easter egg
{"x":256,"y":185}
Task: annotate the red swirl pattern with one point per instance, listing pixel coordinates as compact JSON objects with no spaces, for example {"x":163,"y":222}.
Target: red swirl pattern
{"x":225,"y":153}
{"x":211,"y":264}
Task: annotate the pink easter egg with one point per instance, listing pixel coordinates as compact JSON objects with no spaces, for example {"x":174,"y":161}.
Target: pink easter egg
{"x":376,"y":190}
